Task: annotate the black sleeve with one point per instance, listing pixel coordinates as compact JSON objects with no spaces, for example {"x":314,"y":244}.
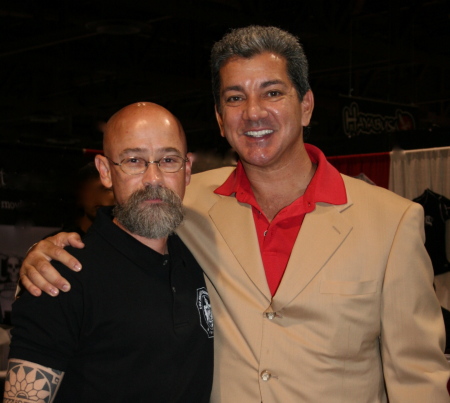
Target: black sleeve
{"x":46,"y":329}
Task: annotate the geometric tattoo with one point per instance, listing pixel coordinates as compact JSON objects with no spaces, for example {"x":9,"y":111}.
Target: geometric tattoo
{"x":30,"y":382}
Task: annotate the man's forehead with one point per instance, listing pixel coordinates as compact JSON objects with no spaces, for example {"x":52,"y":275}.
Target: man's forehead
{"x":138,"y":123}
{"x":142,"y":139}
{"x":262,"y":62}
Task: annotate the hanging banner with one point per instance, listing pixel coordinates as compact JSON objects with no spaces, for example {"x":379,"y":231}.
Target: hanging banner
{"x":363,"y":117}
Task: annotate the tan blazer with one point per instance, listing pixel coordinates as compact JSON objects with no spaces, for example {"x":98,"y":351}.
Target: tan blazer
{"x":356,"y":302}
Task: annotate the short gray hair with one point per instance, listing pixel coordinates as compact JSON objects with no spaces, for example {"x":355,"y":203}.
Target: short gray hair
{"x":254,"y":40}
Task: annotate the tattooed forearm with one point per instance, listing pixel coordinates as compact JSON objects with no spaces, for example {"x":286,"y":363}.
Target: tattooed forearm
{"x":30,"y":382}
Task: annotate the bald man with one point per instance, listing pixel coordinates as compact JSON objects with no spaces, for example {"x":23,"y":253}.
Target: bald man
{"x":138,"y":326}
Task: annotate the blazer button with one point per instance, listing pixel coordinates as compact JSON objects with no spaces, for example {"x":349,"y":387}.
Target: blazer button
{"x":266,"y":375}
{"x":271,"y":315}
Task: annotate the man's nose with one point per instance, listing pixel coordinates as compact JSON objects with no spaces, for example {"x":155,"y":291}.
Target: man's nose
{"x":254,"y":109}
{"x":153,"y":175}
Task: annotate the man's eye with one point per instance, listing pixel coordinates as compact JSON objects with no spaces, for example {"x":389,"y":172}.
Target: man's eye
{"x":274,"y":93}
{"x":234,"y":98}
{"x":168,"y":160}
{"x":134,"y":161}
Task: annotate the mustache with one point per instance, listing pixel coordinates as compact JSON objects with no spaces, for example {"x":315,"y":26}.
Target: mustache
{"x":155,"y":192}
{"x":151,"y":220}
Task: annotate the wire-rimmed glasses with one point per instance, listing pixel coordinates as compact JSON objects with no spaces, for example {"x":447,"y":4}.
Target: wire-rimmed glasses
{"x":138,"y":165}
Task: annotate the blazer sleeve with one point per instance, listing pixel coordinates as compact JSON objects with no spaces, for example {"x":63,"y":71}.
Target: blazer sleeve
{"x":412,"y":328}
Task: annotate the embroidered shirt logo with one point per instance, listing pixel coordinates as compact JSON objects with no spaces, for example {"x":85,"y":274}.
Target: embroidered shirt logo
{"x":205,"y":312}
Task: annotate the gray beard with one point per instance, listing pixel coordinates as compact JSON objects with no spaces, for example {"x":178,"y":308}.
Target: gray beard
{"x":152,"y":221}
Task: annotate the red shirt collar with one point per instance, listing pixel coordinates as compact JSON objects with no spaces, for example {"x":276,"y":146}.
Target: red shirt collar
{"x":326,"y":186}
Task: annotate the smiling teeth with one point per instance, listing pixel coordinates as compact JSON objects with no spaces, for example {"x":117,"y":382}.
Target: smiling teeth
{"x":258,"y":133}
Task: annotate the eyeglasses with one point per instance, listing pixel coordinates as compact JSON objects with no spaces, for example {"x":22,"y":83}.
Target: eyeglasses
{"x":137,"y":166}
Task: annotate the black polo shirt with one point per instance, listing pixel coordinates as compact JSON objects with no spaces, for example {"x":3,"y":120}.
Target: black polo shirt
{"x":135,"y":327}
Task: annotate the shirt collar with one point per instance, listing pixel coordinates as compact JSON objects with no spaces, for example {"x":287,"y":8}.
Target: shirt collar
{"x":139,"y":253}
{"x":326,"y":186}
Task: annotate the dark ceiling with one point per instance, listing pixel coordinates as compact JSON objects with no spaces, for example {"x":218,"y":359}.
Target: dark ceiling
{"x":67,"y":65}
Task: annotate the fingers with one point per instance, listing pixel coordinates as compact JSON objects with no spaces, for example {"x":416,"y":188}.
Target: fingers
{"x":44,"y":251}
{"x":38,"y":274}
{"x":48,"y":251}
{"x":35,"y":283}
{"x":41,"y":275}
{"x":27,"y":284}
{"x":75,"y":241}
{"x":65,"y":239}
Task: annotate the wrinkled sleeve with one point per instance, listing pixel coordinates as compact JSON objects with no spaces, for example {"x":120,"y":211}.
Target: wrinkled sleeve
{"x":412,"y":335}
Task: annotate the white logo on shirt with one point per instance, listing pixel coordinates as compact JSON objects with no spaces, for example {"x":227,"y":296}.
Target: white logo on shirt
{"x":205,"y":312}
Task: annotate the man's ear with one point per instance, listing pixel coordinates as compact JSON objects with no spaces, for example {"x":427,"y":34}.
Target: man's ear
{"x":103,"y":167}
{"x":307,"y":108}
{"x":219,"y":121}
{"x":188,"y":168}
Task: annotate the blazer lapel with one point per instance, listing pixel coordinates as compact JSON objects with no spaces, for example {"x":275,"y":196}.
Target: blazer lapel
{"x":321,"y":234}
{"x":235,"y":223}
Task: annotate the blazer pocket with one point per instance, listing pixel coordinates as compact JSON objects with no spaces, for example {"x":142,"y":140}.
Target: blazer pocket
{"x":348,"y":287}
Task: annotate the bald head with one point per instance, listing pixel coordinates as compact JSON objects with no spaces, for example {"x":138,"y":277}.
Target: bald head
{"x":148,"y":137}
{"x":148,"y":132}
{"x":141,"y":119}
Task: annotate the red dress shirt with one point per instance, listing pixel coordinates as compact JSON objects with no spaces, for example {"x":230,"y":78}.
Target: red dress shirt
{"x":277,"y":238}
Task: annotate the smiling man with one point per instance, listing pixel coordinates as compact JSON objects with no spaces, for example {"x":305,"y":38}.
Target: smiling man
{"x":321,"y":287}
{"x":137,"y":326}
